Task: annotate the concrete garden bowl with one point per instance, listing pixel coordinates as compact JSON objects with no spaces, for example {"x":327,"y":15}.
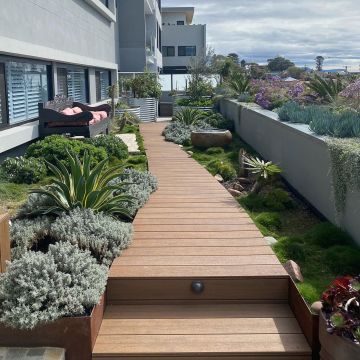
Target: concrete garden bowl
{"x":211,"y":138}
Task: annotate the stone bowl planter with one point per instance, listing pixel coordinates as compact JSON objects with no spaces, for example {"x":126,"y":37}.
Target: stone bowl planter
{"x":77,"y":335}
{"x":211,"y":138}
{"x":334,"y":347}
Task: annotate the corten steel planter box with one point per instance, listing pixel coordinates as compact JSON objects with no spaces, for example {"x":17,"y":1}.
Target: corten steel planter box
{"x":334,"y":347}
{"x":75,"y":334}
{"x":303,"y":156}
{"x":211,"y":138}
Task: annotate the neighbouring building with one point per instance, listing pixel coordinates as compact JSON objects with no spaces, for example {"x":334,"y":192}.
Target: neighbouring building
{"x":181,"y":39}
{"x":77,"y":48}
{"x":139,"y":36}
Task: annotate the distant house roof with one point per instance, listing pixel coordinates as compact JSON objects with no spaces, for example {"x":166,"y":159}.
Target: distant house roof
{"x":333,"y":70}
{"x":187,"y":10}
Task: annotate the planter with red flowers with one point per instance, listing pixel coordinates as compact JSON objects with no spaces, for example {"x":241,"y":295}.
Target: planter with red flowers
{"x":340,"y":320}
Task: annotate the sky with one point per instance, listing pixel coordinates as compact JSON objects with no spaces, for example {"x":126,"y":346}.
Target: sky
{"x":297,"y":29}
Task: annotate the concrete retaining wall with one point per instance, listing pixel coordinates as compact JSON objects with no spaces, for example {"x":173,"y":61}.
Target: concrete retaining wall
{"x":303,"y":156}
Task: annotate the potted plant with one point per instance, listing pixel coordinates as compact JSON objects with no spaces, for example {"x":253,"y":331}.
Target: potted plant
{"x":340,"y":320}
{"x":146,"y":91}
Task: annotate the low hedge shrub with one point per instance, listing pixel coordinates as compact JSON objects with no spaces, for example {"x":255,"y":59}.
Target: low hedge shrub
{"x":222,"y":168}
{"x":55,"y":147}
{"x":195,"y":103}
{"x":113,"y":145}
{"x":269,"y":220}
{"x":21,"y":170}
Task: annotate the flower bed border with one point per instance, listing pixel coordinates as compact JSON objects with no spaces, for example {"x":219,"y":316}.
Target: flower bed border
{"x":77,"y":335}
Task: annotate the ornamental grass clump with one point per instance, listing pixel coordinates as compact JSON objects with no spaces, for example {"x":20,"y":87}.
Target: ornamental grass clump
{"x":41,"y":288}
{"x":99,"y":233}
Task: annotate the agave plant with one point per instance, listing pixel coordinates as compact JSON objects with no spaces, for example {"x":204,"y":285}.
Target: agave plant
{"x":262,"y":170}
{"x":127,"y":118}
{"x":188,"y":116}
{"x":81,"y":186}
{"x":327,"y":89}
{"x":239,"y":83}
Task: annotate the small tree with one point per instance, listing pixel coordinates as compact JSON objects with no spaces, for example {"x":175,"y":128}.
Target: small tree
{"x":242,"y":63}
{"x":319,"y":61}
{"x":279,"y":63}
{"x":234,"y":57}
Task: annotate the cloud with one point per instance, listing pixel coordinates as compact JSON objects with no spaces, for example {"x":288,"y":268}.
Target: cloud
{"x":299,"y":30}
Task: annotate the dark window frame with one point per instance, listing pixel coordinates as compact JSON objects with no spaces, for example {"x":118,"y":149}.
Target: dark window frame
{"x":165,"y":51}
{"x":3,"y":98}
{"x":180,"y":22}
{"x":186,"y":51}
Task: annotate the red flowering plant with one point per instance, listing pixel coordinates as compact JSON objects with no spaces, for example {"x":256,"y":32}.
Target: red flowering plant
{"x":341,"y":307}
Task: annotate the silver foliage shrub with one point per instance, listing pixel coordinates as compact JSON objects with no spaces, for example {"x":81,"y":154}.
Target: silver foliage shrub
{"x":141,"y":185}
{"x":41,"y":288}
{"x":33,"y":203}
{"x":103,"y":235}
{"x":26,"y":233}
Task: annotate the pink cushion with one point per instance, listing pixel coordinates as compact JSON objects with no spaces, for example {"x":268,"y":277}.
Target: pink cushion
{"x":76,"y":110}
{"x":96,"y":116}
{"x":67,"y":111}
{"x":93,"y":122}
{"x":103,"y":114}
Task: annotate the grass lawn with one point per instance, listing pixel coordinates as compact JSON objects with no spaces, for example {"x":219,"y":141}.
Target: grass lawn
{"x":323,"y":251}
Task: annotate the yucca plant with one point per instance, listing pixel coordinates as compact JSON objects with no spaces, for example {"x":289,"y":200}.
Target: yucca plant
{"x":80,"y":186}
{"x":262,"y":170}
{"x":239,"y":83}
{"x":327,"y":89}
{"x":188,"y":116}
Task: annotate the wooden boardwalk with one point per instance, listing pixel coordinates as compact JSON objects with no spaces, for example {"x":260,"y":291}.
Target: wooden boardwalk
{"x":193,"y":230}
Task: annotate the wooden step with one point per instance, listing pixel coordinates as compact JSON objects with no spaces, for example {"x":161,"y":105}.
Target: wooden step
{"x":200,"y":331}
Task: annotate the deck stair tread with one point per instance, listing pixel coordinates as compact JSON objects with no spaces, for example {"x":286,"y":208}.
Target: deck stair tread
{"x":236,"y":329}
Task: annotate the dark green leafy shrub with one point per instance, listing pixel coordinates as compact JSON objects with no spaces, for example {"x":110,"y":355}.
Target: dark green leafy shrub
{"x":343,"y":260}
{"x":327,"y":235}
{"x":113,"y":145}
{"x":41,"y":288}
{"x":278,"y":200}
{"x":204,"y":102}
{"x":291,"y":247}
{"x":99,"y":233}
{"x":269,"y":220}
{"x":215,"y":151}
{"x":21,"y":170}
{"x":252,"y":202}
{"x":56,"y":146}
{"x":136,"y":160}
{"x":224,"y":169}
{"x":217,"y":121}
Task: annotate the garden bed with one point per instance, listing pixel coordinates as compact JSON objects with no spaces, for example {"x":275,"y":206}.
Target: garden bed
{"x":304,"y":157}
{"x":77,"y":335}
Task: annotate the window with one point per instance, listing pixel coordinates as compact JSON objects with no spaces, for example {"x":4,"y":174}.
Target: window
{"x":72,"y":82}
{"x":168,"y":51}
{"x":180,"y":23}
{"x":3,"y":110}
{"x":102,"y":83}
{"x":187,"y":51}
{"x":27,"y":85}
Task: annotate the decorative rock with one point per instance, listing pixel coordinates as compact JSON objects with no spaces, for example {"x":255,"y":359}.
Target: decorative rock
{"x":219,"y":178}
{"x":316,"y":307}
{"x":238,"y":187}
{"x":32,"y":353}
{"x":234,"y":192}
{"x":211,"y":138}
{"x":293,"y":269}
{"x":190,"y":153}
{"x":270,"y":240}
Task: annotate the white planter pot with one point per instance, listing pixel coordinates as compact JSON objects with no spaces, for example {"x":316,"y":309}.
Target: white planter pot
{"x":148,"y":108}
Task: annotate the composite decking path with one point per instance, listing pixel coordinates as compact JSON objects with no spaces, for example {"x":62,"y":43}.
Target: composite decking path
{"x":193,"y":230}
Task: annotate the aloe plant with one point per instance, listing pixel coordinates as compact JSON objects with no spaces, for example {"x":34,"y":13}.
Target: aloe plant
{"x":80,"y":186}
{"x":262,"y":170}
{"x":327,"y":89}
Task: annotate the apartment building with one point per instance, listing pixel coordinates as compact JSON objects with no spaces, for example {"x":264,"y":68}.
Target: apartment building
{"x":139,"y":35}
{"x":50,"y":47}
{"x":181,"y":39}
